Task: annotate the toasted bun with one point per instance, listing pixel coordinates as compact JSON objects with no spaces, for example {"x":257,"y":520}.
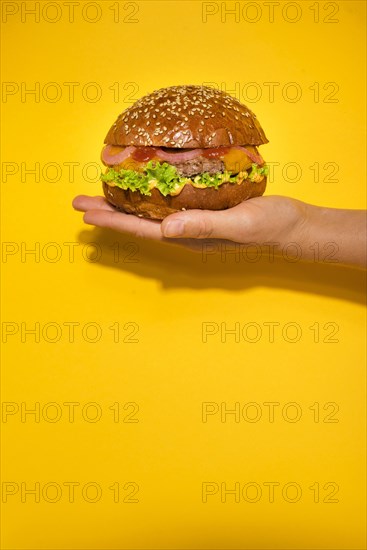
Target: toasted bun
{"x":157,"y":207}
{"x":186,"y":117}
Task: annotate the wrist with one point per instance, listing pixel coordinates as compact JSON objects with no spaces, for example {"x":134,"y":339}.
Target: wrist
{"x":295,"y":238}
{"x":297,"y":217}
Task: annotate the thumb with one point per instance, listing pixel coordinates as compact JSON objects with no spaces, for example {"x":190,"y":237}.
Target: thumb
{"x":202,"y":224}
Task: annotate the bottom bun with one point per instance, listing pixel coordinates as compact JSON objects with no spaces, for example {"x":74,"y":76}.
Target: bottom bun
{"x":157,"y":206}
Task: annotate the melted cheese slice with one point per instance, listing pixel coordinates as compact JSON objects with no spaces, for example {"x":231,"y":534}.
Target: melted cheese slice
{"x":236,"y":160}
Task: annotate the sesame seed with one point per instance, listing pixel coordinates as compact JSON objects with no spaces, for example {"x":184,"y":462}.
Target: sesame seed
{"x":181,"y":106}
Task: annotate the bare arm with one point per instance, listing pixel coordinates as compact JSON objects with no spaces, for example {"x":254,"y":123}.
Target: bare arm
{"x":279,"y":220}
{"x":346,"y":229}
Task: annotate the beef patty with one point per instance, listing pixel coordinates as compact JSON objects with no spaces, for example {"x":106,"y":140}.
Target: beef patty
{"x":199,"y":165}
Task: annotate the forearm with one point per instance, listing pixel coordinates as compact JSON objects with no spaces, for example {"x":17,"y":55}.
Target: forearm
{"x":333,"y":235}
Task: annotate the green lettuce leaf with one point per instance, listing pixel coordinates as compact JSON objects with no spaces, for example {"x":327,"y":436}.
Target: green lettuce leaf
{"x":166,"y":179}
{"x":257,"y":170}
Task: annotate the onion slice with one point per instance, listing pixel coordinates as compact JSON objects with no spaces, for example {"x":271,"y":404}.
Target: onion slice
{"x":256,"y":158}
{"x":112,"y":159}
{"x":109,"y":158}
{"x":176,"y":158}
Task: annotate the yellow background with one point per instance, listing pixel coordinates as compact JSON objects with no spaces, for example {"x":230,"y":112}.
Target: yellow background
{"x":169,"y":293}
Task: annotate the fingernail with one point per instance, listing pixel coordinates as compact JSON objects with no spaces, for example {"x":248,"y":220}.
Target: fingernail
{"x":174,"y":228}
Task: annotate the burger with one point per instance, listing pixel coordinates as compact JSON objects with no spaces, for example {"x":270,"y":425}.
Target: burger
{"x":180,"y":148}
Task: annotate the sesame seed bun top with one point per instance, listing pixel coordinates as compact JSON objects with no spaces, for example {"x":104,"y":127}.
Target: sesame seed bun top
{"x":186,"y":117}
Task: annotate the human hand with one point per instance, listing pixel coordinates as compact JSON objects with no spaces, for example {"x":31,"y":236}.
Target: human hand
{"x":258,"y":220}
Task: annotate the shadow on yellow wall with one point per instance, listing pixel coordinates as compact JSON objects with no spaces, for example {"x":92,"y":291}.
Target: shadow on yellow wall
{"x":224,"y":268}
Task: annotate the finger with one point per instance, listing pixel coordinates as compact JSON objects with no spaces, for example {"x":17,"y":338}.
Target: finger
{"x":206,"y":224}
{"x":139,"y":227}
{"x":124,"y":223}
{"x":84,"y":203}
{"x":95,"y":208}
